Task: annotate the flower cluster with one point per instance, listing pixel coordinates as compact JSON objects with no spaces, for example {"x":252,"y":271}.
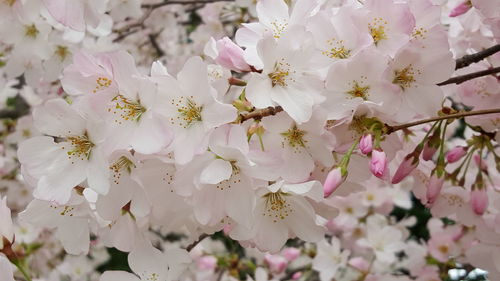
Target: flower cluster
{"x":298,"y":143}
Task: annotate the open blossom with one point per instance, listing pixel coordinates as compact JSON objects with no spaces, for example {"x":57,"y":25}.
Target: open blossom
{"x":58,"y":167}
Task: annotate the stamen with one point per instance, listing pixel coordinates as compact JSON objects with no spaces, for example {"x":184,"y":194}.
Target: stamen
{"x":378,"y":29}
{"x":127,"y":109}
{"x":189,"y":112}
{"x":123,"y":163}
{"x":31,"y":31}
{"x":405,"y":77}
{"x":82,"y":147}
{"x":277,"y":208}
{"x":294,"y":137}
{"x":280,"y":76}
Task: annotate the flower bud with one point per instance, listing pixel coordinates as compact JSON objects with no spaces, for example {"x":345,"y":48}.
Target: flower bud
{"x":479,"y":201}
{"x":6,"y":228}
{"x":277,"y":264}
{"x":429,"y":151}
{"x":366,"y":144}
{"x":456,"y":154}
{"x":378,"y":164}
{"x":297,"y":275}
{"x":405,"y":168}
{"x":333,"y":180}
{"x":434,"y":187}
{"x":461,"y":9}
{"x":480,"y":163}
{"x":290,"y":253}
{"x":207,"y":262}
{"x":360,"y":264}
{"x":230,"y":55}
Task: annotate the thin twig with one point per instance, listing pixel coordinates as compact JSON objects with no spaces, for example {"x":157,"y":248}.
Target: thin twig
{"x":192,"y":245}
{"x":172,"y":2}
{"x":152,"y":39}
{"x":260,"y":113}
{"x":392,"y":129}
{"x":472,"y":58}
{"x":462,"y":78}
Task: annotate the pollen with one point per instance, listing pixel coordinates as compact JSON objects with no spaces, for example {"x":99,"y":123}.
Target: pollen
{"x":62,"y":52}
{"x":276,"y":206}
{"x":126,"y":109}
{"x":234,"y":179}
{"x":189,"y":111}
{"x":378,"y":29}
{"x":102,"y":83}
{"x":419,"y":33}
{"x":81,"y":147}
{"x":405,"y":77}
{"x":294,"y":138}
{"x":281,"y":75}
{"x":10,"y":2}
{"x":358,"y":90}
{"x":278,"y":28}
{"x":31,"y":31}
{"x":122,"y":164}
{"x":337,"y":49}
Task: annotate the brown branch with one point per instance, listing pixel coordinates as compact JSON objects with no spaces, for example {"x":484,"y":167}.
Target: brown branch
{"x":192,"y":245}
{"x":462,"y":78}
{"x":132,"y":27}
{"x":152,"y":39}
{"x":392,"y":129}
{"x":260,"y":113}
{"x":172,"y":2}
{"x":472,"y":58}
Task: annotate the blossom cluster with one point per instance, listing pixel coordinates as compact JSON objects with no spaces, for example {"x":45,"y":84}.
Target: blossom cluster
{"x":294,"y":140}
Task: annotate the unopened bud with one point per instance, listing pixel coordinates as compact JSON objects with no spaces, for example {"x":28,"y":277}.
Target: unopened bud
{"x":378,"y":164}
{"x":479,"y":201}
{"x":405,"y":168}
{"x":456,"y":154}
{"x":366,"y":144}
{"x":333,"y":180}
{"x":461,"y":9}
{"x":434,"y":187}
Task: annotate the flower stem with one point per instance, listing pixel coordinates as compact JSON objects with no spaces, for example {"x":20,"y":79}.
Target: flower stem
{"x":22,"y":268}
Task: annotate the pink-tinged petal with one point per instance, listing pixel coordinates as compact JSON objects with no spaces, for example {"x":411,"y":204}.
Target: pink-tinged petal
{"x":456,"y":154}
{"x":216,"y":172}
{"x":98,"y":172}
{"x":366,"y":144}
{"x":231,"y":56}
{"x":215,"y":114}
{"x":74,"y":236}
{"x":405,"y":168}
{"x":67,"y":13}
{"x":56,"y":118}
{"x":294,"y":102}
{"x":6,"y":272}
{"x":152,"y":135}
{"x":148,"y":262}
{"x":378,"y":164}
{"x":258,"y":91}
{"x":461,"y":9}
{"x":118,"y":275}
{"x":434,"y":188}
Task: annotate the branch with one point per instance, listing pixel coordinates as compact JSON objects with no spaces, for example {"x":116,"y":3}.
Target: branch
{"x":129,"y":28}
{"x":392,"y":129}
{"x":152,"y":39}
{"x":192,"y":245}
{"x":260,"y":113}
{"x":472,"y":58}
{"x":462,"y":78}
{"x":172,"y":2}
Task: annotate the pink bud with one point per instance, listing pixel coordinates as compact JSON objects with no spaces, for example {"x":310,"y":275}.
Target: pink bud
{"x":231,"y":55}
{"x":378,"y":164}
{"x":332,"y":182}
{"x":456,"y":154}
{"x":366,"y":144}
{"x":479,"y":201}
{"x":290,"y":253}
{"x":405,"y":168}
{"x":360,"y":264}
{"x":428,"y":151}
{"x":460,"y":9}
{"x":434,"y":187}
{"x":297,"y":275}
{"x":207,"y":263}
{"x":276,"y":263}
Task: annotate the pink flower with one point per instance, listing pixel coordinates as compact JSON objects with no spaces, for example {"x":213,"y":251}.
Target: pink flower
{"x":456,"y":154}
{"x":434,"y":187}
{"x":479,"y":201}
{"x":378,"y":164}
{"x":276,"y":263}
{"x":333,"y":180}
{"x":366,"y":144}
{"x":6,"y":229}
{"x":297,"y":275}
{"x":207,"y":263}
{"x":461,"y":9}
{"x":290,"y":253}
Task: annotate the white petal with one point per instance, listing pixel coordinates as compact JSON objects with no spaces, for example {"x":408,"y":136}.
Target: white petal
{"x":118,"y":275}
{"x":216,"y":172}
